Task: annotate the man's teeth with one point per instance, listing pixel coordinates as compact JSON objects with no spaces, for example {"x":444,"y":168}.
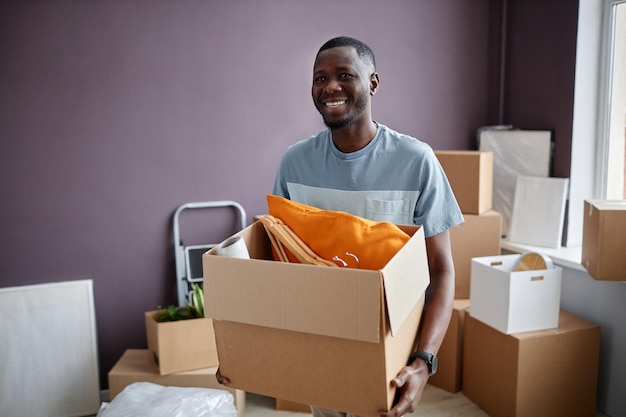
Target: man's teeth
{"x":335,"y":103}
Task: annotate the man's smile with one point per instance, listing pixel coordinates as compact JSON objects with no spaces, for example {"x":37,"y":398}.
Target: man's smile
{"x":334,"y":104}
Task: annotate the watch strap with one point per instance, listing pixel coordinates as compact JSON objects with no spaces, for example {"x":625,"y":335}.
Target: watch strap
{"x":429,"y":358}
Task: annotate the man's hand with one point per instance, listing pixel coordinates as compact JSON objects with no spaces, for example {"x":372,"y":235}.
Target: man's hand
{"x":221,"y":379}
{"x":410,"y":382}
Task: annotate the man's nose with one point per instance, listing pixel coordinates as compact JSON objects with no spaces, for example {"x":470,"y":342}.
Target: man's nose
{"x":332,"y":86}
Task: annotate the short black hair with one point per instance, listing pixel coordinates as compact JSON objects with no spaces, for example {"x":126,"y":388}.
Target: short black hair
{"x":363,"y":51}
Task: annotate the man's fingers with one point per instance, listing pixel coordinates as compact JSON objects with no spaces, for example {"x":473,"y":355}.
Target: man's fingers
{"x":220,"y":378}
{"x":400,"y":379}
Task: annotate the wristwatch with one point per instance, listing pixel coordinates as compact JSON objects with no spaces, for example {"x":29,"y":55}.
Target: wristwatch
{"x":429,"y":358}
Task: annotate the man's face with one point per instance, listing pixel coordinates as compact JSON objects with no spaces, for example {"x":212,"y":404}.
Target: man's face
{"x":342,"y":86}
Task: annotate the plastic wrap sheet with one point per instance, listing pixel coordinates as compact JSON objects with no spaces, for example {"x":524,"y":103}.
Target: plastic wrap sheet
{"x":48,"y":361}
{"x":515,"y":153}
{"x":145,"y":399}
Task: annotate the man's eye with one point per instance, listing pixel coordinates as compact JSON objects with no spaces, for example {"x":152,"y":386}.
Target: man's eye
{"x":318,"y":79}
{"x":344,"y":75}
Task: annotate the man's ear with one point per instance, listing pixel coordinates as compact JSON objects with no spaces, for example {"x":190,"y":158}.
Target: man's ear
{"x":374,"y":83}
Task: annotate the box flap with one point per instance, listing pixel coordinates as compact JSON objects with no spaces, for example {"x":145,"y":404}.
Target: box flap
{"x":337,"y":302}
{"x":406,"y":277}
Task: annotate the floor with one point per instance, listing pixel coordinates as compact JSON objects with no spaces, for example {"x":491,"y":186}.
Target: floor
{"x":435,"y":403}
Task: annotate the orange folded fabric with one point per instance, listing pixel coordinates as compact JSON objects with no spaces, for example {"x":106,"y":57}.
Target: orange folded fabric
{"x":287,"y":246}
{"x":340,"y":237}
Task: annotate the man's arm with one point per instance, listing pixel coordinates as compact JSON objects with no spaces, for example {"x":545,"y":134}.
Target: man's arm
{"x":412,"y":379}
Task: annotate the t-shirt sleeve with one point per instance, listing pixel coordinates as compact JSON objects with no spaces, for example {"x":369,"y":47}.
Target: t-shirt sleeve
{"x":280,"y":183}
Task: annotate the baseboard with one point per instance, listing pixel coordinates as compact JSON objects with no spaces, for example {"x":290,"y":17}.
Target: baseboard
{"x":104,"y":396}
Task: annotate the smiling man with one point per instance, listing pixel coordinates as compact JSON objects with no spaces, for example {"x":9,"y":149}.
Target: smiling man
{"x":367,"y":169}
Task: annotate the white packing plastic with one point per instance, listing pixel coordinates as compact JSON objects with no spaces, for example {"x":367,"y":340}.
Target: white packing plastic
{"x":145,"y":399}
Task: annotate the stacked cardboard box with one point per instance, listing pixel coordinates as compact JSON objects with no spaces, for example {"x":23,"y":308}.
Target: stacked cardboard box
{"x":180,"y":353}
{"x":470,"y":174}
{"x":550,"y":372}
{"x":135,"y":366}
{"x":522,"y":355}
{"x":450,"y":355}
{"x":505,"y":372}
{"x":478,"y":236}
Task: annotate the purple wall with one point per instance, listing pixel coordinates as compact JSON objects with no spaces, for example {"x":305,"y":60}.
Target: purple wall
{"x":112,"y":114}
{"x":540,"y":70}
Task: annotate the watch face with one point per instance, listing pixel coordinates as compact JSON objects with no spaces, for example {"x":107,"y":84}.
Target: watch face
{"x":435,"y":363}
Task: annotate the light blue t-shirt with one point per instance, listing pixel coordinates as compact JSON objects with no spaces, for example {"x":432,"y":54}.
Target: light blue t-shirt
{"x":395,"y":178}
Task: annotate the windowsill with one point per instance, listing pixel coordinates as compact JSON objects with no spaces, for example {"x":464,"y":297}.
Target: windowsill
{"x":568,"y":257}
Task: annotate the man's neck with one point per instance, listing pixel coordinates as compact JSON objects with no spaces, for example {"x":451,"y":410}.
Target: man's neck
{"x":354,"y":137}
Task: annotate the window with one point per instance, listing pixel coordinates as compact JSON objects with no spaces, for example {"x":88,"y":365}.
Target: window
{"x":611,"y":169}
{"x":598,"y":157}
{"x":598,"y":37}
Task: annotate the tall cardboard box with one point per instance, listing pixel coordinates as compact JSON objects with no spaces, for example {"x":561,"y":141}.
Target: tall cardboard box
{"x":329,"y":337}
{"x":449,"y":370}
{"x":604,"y":239}
{"x":134,"y":366}
{"x":182,"y":345}
{"x":470,"y":174}
{"x":544,"y":373}
{"x":479,"y":235}
{"x":514,"y":301}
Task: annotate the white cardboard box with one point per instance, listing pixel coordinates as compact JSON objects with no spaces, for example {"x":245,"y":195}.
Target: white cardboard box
{"x":514,"y":302}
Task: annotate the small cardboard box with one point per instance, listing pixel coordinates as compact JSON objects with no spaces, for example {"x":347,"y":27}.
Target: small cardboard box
{"x":470,"y":174}
{"x":329,"y":337}
{"x":604,"y":239}
{"x":134,"y":366}
{"x":544,"y":373}
{"x":449,"y":370}
{"x":179,"y":346}
{"x":514,"y":302}
{"x":479,"y":235}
